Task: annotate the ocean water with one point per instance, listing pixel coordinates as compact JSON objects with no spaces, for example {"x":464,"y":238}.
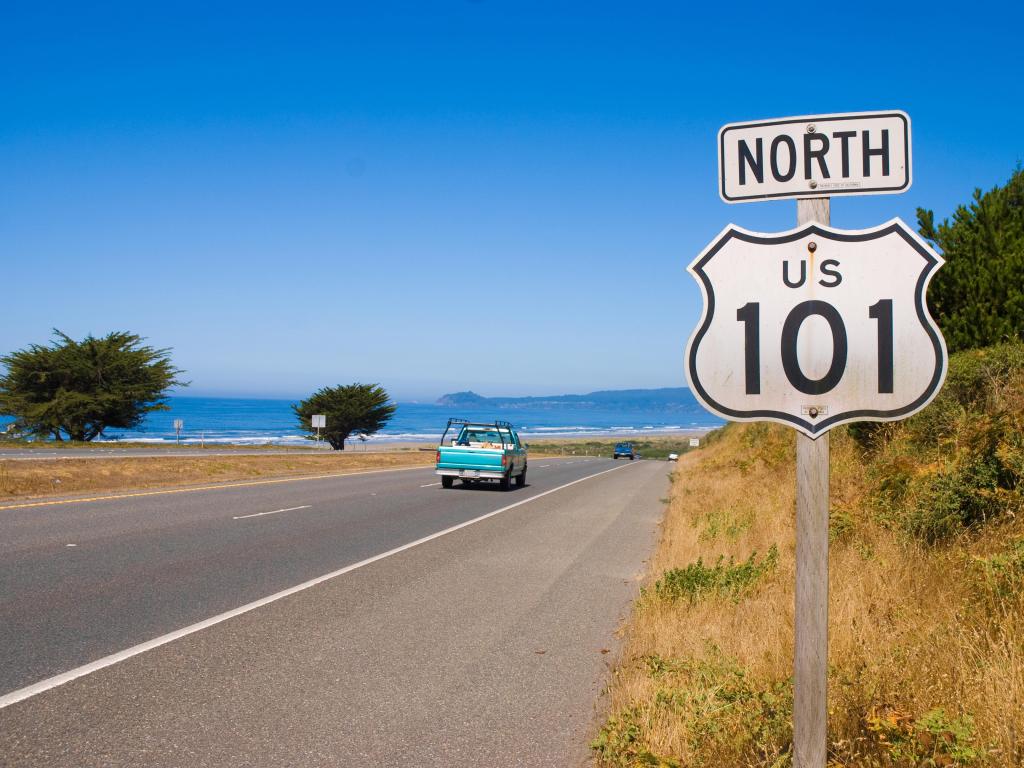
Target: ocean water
{"x":247,"y":421}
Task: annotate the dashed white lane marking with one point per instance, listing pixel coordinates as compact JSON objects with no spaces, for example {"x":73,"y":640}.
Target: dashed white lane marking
{"x":428,"y":485}
{"x":261,"y":514}
{"x":86,"y":669}
{"x":543,"y":466}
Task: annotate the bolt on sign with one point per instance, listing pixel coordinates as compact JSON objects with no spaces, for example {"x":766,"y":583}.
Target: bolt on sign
{"x":859,"y":153}
{"x":816,"y":326}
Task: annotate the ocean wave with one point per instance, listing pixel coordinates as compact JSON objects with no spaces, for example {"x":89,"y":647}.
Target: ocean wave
{"x":561,"y":429}
{"x":394,"y":437}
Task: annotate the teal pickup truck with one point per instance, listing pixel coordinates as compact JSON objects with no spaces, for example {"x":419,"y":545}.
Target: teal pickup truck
{"x":481,"y":451}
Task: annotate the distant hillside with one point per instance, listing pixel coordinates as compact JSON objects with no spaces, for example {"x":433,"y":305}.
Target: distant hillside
{"x":670,"y":398}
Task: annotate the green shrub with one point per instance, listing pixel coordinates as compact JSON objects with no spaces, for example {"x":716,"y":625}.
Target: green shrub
{"x":949,"y":502}
{"x":1003,"y":573}
{"x":957,"y":464}
{"x":934,"y":739}
{"x":723,"y":579}
{"x":620,"y":743}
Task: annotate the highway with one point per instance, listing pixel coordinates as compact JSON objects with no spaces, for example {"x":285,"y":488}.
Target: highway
{"x":370,"y":619}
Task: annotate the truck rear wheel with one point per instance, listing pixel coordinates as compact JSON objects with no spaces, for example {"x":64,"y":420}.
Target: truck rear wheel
{"x":521,"y":479}
{"x":447,"y":481}
{"x":506,"y":482}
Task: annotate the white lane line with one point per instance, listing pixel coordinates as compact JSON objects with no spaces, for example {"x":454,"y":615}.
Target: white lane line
{"x":544,"y":466}
{"x":87,"y":669}
{"x":428,"y":485}
{"x":261,"y":514}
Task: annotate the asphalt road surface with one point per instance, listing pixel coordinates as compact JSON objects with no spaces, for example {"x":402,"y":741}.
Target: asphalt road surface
{"x":372,"y":619}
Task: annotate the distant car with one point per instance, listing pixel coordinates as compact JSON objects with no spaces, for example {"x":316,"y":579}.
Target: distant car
{"x":625,"y":451}
{"x":673,"y":456}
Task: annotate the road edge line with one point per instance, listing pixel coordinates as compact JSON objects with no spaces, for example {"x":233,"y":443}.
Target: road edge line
{"x":13,"y":697}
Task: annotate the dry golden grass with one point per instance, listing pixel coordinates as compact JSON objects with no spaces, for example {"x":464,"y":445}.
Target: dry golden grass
{"x":44,"y":477}
{"x":926,"y":652}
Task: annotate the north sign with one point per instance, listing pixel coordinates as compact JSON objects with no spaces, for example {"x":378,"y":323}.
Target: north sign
{"x":859,"y":153}
{"x":816,"y":326}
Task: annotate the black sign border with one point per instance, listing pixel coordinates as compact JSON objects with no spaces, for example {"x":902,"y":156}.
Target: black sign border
{"x":819,"y":428}
{"x":814,"y":192}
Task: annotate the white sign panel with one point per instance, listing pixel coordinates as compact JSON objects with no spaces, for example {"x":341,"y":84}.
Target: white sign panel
{"x":178,"y":425}
{"x":860,"y":153}
{"x":695,"y":442}
{"x":816,"y":326}
{"x":319,"y":420}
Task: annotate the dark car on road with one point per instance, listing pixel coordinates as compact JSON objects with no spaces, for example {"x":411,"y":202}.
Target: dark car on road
{"x":625,"y":451}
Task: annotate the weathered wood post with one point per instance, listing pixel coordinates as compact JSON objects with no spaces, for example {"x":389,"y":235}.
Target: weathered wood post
{"x":810,"y":664}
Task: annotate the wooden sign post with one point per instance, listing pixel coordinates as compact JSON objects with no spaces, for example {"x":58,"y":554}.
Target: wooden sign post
{"x":810,"y":658}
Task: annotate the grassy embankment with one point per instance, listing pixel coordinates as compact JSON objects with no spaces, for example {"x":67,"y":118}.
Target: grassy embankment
{"x":20,"y":479}
{"x":926,"y":655}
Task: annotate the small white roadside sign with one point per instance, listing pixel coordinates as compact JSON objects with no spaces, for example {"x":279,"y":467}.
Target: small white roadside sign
{"x":695,"y":442}
{"x":319,"y":421}
{"x":816,"y":326}
{"x":858,"y":153}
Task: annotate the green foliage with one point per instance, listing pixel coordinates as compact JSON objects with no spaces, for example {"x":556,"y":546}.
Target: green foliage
{"x":723,"y":579}
{"x":724,"y":522}
{"x":954,"y":499}
{"x":978,"y":296}
{"x":78,"y":389}
{"x":957,"y":464}
{"x":728,"y":717}
{"x":1003,"y":572}
{"x":359,"y":409}
{"x":934,"y":739}
{"x":620,"y":743}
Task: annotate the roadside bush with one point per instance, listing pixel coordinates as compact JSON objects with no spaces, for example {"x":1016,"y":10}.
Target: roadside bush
{"x":723,"y":579}
{"x":1003,"y":572}
{"x":951,"y":501}
{"x":958,"y":463}
{"x":933,"y":739}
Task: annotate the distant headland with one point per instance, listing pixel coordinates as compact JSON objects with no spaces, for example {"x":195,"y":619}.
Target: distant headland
{"x":670,"y":398}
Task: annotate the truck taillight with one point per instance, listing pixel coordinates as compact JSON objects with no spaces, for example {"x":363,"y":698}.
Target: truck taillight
{"x":504,"y":460}
{"x":437,"y":459}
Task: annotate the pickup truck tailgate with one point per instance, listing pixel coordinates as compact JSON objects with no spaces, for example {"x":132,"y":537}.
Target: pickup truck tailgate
{"x":453,"y":457}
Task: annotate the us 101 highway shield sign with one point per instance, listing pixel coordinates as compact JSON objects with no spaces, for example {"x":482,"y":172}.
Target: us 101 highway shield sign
{"x":816,"y":326}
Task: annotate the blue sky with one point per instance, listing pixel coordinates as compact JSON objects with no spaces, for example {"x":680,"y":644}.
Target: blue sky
{"x":441,"y":195}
